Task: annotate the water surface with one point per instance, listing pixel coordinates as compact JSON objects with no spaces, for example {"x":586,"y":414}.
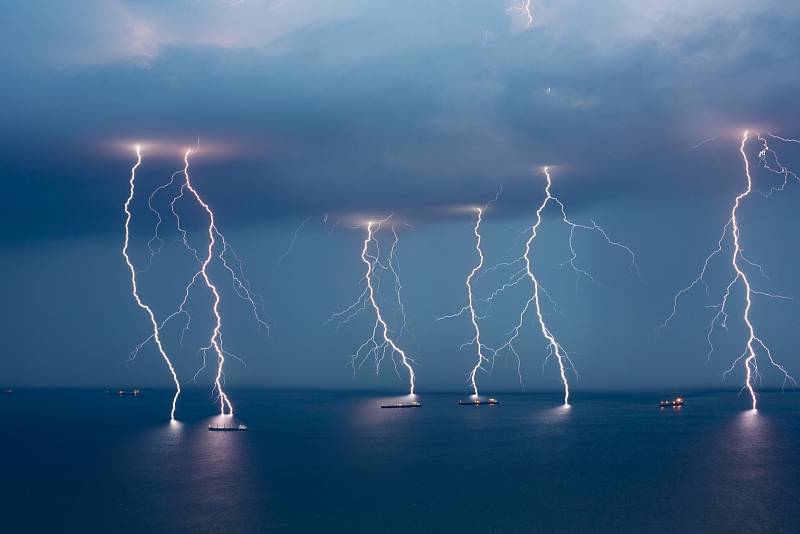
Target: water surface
{"x":77,"y":460}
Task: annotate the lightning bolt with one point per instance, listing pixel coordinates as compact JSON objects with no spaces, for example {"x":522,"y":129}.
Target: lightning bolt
{"x":768,"y":159}
{"x":156,"y":239}
{"x":749,"y":356}
{"x":230,"y":261}
{"x":241,"y":285}
{"x":483,"y":360}
{"x":292,"y":242}
{"x":380,"y":344}
{"x":703,"y":142}
{"x":526,"y":10}
{"x":215,"y":342}
{"x":145,"y":307}
{"x":471,"y":304}
{"x":555,"y":349}
{"x":554,"y":346}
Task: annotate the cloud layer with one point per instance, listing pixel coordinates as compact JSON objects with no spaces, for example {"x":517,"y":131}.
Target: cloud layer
{"x":350,"y":106}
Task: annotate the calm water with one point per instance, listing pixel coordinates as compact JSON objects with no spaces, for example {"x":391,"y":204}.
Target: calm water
{"x":335,"y":462}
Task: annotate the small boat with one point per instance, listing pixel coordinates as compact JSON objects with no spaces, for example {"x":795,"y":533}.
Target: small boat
{"x":479,"y":402}
{"x":412,"y":404}
{"x":677,"y":402}
{"x":226,"y":428}
{"x":7,"y":391}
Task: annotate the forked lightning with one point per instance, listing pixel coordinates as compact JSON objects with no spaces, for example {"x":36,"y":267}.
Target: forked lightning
{"x":754,"y":344}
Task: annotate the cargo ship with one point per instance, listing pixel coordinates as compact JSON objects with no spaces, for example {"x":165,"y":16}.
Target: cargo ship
{"x":677,"y":402}
{"x":479,"y":402}
{"x":226,"y":428}
{"x":412,"y":404}
{"x":123,"y":392}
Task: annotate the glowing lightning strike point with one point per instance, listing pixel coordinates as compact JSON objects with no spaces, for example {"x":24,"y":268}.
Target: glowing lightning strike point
{"x":225,"y":406}
{"x":750,"y":354}
{"x":526,"y":9}
{"x":141,"y":304}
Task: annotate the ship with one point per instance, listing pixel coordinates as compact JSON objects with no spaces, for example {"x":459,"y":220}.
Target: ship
{"x":7,"y":391}
{"x":479,"y":402}
{"x":226,"y":428}
{"x":677,"y":402}
{"x":123,"y":392}
{"x":412,"y":404}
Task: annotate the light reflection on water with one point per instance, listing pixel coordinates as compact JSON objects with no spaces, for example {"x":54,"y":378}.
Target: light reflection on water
{"x":208,"y":478}
{"x":556,"y":415}
{"x":740,"y":475}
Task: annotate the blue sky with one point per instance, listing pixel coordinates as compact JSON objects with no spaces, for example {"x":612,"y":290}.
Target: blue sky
{"x":348,"y":108}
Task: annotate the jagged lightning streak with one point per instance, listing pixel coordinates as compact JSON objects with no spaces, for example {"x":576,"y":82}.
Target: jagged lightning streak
{"x":380,"y":343}
{"x":764,"y":161}
{"x":241,"y":284}
{"x":526,"y":9}
{"x":141,"y":304}
{"x":750,"y":363}
{"x":156,"y":239}
{"x":703,"y":142}
{"x":482,"y":360}
{"x":471,"y":303}
{"x":292,"y":242}
{"x":225,"y":406}
{"x":393,"y":265}
{"x":750,"y":354}
{"x":370,"y":262}
{"x":554,"y":346}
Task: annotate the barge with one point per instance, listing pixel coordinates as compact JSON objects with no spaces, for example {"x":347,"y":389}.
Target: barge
{"x":479,"y":402}
{"x":412,"y":404}
{"x":123,"y":392}
{"x":226,"y":428}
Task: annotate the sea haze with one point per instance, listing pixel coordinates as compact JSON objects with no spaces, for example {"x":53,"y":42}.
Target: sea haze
{"x":78,"y":460}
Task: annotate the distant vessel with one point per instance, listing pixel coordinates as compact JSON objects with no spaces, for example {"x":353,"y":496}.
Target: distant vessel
{"x":7,"y":391}
{"x":123,"y":392}
{"x":226,"y":428}
{"x":412,"y":404}
{"x":677,"y":402}
{"x":478,"y":402}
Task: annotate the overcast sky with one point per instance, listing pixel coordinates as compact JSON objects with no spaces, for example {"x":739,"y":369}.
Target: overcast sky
{"x":313,"y":108}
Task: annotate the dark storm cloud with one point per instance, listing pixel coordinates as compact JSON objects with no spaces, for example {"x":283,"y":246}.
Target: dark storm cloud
{"x":358,"y":107}
{"x":362,"y":107}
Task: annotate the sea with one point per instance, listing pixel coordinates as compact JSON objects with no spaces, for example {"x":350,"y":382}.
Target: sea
{"x":77,"y":460}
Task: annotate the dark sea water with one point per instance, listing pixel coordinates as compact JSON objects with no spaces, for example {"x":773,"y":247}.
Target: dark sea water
{"x":79,"y":461}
